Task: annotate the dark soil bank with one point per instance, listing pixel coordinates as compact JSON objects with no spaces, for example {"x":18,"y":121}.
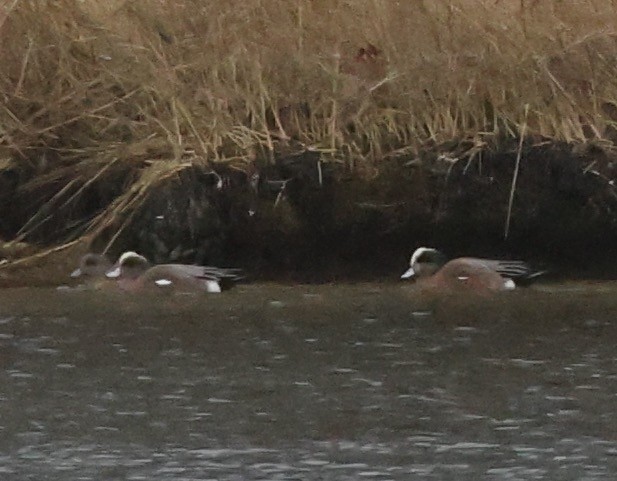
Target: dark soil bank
{"x":301,"y":217}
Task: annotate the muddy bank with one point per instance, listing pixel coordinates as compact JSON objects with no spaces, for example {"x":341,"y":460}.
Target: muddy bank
{"x":301,"y":216}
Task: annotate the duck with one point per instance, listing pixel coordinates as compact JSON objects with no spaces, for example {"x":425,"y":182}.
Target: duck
{"x":133,"y":272}
{"x":433,"y":270}
{"x":92,"y":266}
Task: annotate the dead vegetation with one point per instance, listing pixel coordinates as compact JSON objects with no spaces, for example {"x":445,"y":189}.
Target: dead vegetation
{"x":101,"y":102}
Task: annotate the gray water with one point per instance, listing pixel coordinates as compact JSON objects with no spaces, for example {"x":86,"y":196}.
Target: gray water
{"x":309,"y":383}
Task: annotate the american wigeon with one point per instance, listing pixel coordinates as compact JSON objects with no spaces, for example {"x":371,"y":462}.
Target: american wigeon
{"x":433,"y":270}
{"x":134,"y":272}
{"x":92,"y":266}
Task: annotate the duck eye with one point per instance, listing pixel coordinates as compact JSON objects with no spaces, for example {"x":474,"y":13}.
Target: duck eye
{"x":424,"y":257}
{"x":134,"y":262}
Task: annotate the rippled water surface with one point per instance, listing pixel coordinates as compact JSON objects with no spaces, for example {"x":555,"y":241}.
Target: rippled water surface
{"x":309,"y":383}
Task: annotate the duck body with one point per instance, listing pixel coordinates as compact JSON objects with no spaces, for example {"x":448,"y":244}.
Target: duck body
{"x":133,"y":272}
{"x":432,"y":270}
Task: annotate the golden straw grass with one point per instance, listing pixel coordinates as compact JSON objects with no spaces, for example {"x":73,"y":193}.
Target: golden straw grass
{"x":165,"y":83}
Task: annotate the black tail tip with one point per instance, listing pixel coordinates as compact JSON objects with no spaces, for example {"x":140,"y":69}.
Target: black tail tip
{"x":531,"y":278}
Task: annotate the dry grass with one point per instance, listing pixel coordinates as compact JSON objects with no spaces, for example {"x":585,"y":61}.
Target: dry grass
{"x":93,"y":90}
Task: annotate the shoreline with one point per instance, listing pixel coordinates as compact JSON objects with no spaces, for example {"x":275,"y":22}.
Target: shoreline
{"x":303,"y":218}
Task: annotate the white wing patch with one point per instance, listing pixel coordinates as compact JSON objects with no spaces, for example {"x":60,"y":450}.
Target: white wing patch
{"x":213,"y":286}
{"x":508,"y":284}
{"x":163,"y":282}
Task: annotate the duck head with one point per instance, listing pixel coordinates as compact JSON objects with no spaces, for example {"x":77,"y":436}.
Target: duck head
{"x":92,"y":265}
{"x":130,"y":265}
{"x":425,"y":261}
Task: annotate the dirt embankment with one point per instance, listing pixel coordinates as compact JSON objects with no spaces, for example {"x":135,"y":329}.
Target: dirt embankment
{"x":299,"y":218}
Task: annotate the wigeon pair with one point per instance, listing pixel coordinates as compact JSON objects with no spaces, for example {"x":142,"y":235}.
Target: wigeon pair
{"x":133,"y":272}
{"x":428,"y":266}
{"x":433,"y":271}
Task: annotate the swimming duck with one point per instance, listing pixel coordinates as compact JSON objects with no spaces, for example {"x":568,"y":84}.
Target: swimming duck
{"x":134,"y":272}
{"x":433,"y":270}
{"x":92,"y":266}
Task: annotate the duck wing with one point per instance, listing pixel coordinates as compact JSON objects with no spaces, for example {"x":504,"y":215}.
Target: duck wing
{"x":202,"y":272}
{"x":517,"y":270}
{"x":233,"y":274}
{"x":225,"y":277}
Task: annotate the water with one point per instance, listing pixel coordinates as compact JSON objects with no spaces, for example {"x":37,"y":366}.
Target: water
{"x":309,"y":383}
